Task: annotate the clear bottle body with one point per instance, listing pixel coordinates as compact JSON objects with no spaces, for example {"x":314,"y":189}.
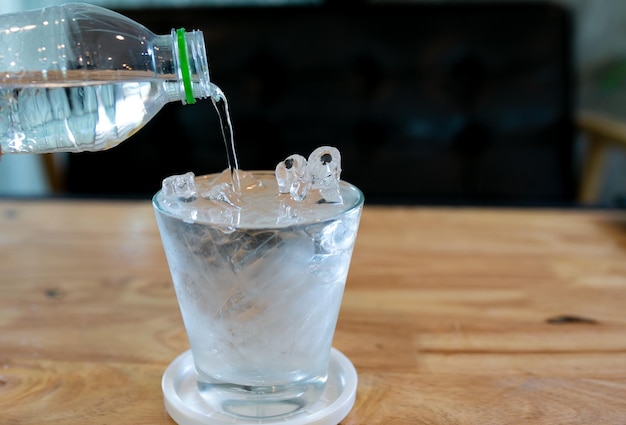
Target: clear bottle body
{"x":79,"y":77}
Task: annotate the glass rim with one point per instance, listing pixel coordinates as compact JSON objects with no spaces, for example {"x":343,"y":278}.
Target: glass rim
{"x":359,"y":201}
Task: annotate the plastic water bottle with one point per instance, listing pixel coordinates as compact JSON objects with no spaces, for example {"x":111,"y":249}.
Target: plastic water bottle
{"x":79,"y":77}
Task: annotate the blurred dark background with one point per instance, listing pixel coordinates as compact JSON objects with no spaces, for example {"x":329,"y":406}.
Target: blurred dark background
{"x":442,"y":103}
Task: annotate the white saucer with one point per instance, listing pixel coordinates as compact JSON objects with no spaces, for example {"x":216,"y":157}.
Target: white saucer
{"x":186,"y":407}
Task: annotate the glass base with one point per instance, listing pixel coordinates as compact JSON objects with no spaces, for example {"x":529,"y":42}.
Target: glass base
{"x":260,"y":402}
{"x":186,"y":405}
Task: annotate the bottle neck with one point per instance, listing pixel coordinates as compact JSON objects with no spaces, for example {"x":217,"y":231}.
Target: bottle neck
{"x":181,"y":58}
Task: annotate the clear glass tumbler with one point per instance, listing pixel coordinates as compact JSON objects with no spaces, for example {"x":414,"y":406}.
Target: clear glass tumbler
{"x":260,"y":301}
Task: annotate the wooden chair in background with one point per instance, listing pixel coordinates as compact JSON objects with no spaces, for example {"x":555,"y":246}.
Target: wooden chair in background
{"x":602,"y":134}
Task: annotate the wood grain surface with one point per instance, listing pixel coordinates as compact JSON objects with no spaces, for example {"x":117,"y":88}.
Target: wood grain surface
{"x":451,"y":316}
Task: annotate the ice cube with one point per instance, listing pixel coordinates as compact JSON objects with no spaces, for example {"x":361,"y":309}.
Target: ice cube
{"x":239,"y":307}
{"x":226,"y":216}
{"x":180,"y":187}
{"x":286,"y":212}
{"x":324,"y":166}
{"x":253,"y":246}
{"x":247,"y":180}
{"x":292,"y":176}
{"x":223,"y":192}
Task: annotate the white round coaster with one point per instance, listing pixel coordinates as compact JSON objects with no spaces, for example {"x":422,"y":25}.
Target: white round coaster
{"x":185,"y":405}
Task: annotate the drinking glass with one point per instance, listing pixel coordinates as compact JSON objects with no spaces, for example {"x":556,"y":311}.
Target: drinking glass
{"x":260,"y":296}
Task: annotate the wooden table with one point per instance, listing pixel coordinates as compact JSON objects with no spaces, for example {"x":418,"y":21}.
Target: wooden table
{"x":451,"y":316}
